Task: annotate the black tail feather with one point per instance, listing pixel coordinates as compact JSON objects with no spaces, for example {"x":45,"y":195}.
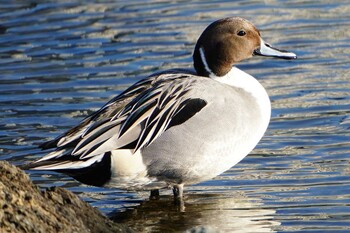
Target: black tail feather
{"x":96,"y":174}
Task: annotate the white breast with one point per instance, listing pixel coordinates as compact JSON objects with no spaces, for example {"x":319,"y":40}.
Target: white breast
{"x":240,"y":79}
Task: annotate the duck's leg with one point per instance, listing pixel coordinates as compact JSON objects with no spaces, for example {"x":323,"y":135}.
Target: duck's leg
{"x":154,"y":194}
{"x":178,"y":191}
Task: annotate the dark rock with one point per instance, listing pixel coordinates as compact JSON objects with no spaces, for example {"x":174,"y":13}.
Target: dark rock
{"x":24,"y":208}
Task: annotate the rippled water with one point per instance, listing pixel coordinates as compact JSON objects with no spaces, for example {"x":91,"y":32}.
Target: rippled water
{"x":60,"y":60}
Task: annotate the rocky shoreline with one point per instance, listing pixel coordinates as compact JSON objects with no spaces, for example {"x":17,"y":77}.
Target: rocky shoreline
{"x":25,"y":208}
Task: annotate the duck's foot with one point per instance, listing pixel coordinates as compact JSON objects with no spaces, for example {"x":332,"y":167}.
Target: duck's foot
{"x":154,"y":194}
{"x":178,"y":196}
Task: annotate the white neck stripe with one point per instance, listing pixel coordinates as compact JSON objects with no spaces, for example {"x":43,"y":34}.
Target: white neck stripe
{"x":206,"y":67}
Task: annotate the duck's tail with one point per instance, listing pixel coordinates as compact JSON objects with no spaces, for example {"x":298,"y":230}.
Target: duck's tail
{"x":94,"y":171}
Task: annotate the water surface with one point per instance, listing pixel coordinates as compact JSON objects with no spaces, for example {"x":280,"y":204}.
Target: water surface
{"x":61,"y":60}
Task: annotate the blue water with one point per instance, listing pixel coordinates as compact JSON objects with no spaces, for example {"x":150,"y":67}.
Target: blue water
{"x":61,"y":60}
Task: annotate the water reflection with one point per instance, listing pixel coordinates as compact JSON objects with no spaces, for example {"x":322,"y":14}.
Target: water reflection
{"x":225,"y":212}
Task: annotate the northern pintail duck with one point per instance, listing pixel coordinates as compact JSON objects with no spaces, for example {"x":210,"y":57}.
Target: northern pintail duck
{"x":174,"y":128}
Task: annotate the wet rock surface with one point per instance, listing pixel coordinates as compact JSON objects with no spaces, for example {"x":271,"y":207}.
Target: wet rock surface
{"x":24,"y":208}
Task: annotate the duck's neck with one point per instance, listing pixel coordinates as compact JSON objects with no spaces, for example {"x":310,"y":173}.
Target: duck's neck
{"x":240,"y":79}
{"x":207,"y":63}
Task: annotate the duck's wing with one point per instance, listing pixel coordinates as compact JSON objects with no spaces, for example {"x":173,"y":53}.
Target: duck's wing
{"x":132,"y":120}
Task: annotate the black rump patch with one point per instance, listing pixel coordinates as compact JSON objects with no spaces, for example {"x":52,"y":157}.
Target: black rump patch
{"x":96,"y":174}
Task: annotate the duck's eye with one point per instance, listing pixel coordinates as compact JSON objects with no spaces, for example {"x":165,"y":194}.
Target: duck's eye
{"x":241,"y":33}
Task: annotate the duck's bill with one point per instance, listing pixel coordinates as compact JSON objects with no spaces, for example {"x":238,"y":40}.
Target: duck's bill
{"x":269,"y":51}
